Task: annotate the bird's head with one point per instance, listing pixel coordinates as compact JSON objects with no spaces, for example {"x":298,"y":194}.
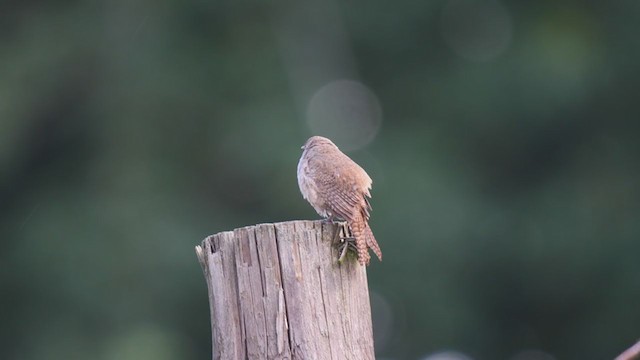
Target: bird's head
{"x":318,"y":141}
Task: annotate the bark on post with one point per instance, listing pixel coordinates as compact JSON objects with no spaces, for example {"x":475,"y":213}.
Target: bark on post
{"x":276,"y":291}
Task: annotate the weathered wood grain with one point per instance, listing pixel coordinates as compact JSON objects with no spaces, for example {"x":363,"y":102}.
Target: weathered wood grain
{"x":276,"y":291}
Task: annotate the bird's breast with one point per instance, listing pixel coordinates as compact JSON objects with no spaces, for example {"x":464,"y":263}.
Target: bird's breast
{"x":309,"y":187}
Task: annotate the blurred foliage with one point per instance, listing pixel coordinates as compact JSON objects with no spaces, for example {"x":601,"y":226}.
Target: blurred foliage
{"x":505,"y":167}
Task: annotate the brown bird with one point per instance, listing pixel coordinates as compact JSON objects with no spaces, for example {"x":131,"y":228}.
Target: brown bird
{"x":338,"y":188}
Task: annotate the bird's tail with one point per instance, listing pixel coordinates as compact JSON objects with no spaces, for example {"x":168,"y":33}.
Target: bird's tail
{"x":364,"y":240}
{"x":358,"y":227}
{"x":371,"y":242}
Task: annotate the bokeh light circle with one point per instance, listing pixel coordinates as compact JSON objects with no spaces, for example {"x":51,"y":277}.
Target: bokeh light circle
{"x":345,"y":111}
{"x":383,"y":320}
{"x":447,"y":355}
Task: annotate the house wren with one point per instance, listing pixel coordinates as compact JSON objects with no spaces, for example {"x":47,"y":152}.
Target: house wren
{"x":338,"y":188}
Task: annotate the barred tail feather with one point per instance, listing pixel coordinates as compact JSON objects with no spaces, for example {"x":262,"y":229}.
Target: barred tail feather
{"x":358,"y":229}
{"x":371,"y":242}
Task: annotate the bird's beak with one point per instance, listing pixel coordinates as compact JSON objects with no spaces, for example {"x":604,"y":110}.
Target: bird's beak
{"x":302,"y":147}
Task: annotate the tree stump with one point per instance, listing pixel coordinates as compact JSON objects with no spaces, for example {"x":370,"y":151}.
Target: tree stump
{"x":277,"y":291}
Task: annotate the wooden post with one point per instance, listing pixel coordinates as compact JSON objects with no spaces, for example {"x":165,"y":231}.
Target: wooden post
{"x":276,"y":291}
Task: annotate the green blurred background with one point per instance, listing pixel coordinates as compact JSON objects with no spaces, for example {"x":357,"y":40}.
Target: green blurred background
{"x":502,"y":138}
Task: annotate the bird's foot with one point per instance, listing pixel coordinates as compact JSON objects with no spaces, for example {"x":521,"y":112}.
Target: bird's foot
{"x":332,"y":221}
{"x":345,"y":240}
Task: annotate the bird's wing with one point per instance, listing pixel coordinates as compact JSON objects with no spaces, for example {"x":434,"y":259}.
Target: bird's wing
{"x":343,"y":191}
